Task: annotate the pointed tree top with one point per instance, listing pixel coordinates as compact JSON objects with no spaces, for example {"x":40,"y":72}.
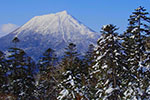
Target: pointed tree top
{"x":1,"y":54}
{"x":72,"y":45}
{"x":15,"y":40}
{"x":49,"y":50}
{"x":140,"y":8}
{"x":110,"y":28}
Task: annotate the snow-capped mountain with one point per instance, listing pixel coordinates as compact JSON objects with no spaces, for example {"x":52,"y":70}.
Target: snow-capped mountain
{"x":51,"y":31}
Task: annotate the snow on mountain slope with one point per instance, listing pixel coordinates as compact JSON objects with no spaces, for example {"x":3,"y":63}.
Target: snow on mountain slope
{"x":55,"y":24}
{"x":52,"y":30}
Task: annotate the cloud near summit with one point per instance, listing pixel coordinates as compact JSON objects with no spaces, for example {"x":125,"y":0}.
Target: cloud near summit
{"x":7,"y":28}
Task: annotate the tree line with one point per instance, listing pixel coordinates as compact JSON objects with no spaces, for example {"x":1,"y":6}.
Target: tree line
{"x":117,"y":68}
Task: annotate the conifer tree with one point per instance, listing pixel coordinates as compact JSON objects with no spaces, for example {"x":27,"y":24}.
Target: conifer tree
{"x":71,"y":82}
{"x":48,"y":61}
{"x":21,"y":71}
{"x":109,"y":67}
{"x":137,"y":55}
{"x":88,"y":82}
{"x":48,"y":76}
{"x":89,"y":55}
{"x":3,"y":71}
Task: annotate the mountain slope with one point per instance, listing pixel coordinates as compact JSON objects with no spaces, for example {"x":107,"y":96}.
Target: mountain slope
{"x":54,"y":31}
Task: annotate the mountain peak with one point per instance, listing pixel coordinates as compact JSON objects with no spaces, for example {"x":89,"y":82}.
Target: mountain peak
{"x":54,"y":31}
{"x":63,"y":13}
{"x":60,"y":23}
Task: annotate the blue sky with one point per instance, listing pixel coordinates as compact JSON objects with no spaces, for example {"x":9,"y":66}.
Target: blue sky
{"x":93,"y":13}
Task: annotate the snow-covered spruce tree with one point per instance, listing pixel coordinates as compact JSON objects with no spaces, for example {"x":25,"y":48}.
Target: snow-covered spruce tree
{"x":3,"y":71}
{"x":21,"y":69}
{"x":137,"y":55}
{"x":109,"y":69}
{"x":88,"y":81}
{"x":89,"y":56}
{"x":71,"y":81}
{"x":47,"y":83}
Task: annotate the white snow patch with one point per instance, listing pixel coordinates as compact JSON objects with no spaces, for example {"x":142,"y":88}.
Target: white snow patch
{"x":63,"y":93}
{"x":109,"y":90}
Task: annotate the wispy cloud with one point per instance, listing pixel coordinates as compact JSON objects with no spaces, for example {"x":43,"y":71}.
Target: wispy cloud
{"x":7,"y":28}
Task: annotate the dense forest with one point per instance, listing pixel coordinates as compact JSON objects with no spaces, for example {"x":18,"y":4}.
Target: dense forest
{"x":117,"y":68}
